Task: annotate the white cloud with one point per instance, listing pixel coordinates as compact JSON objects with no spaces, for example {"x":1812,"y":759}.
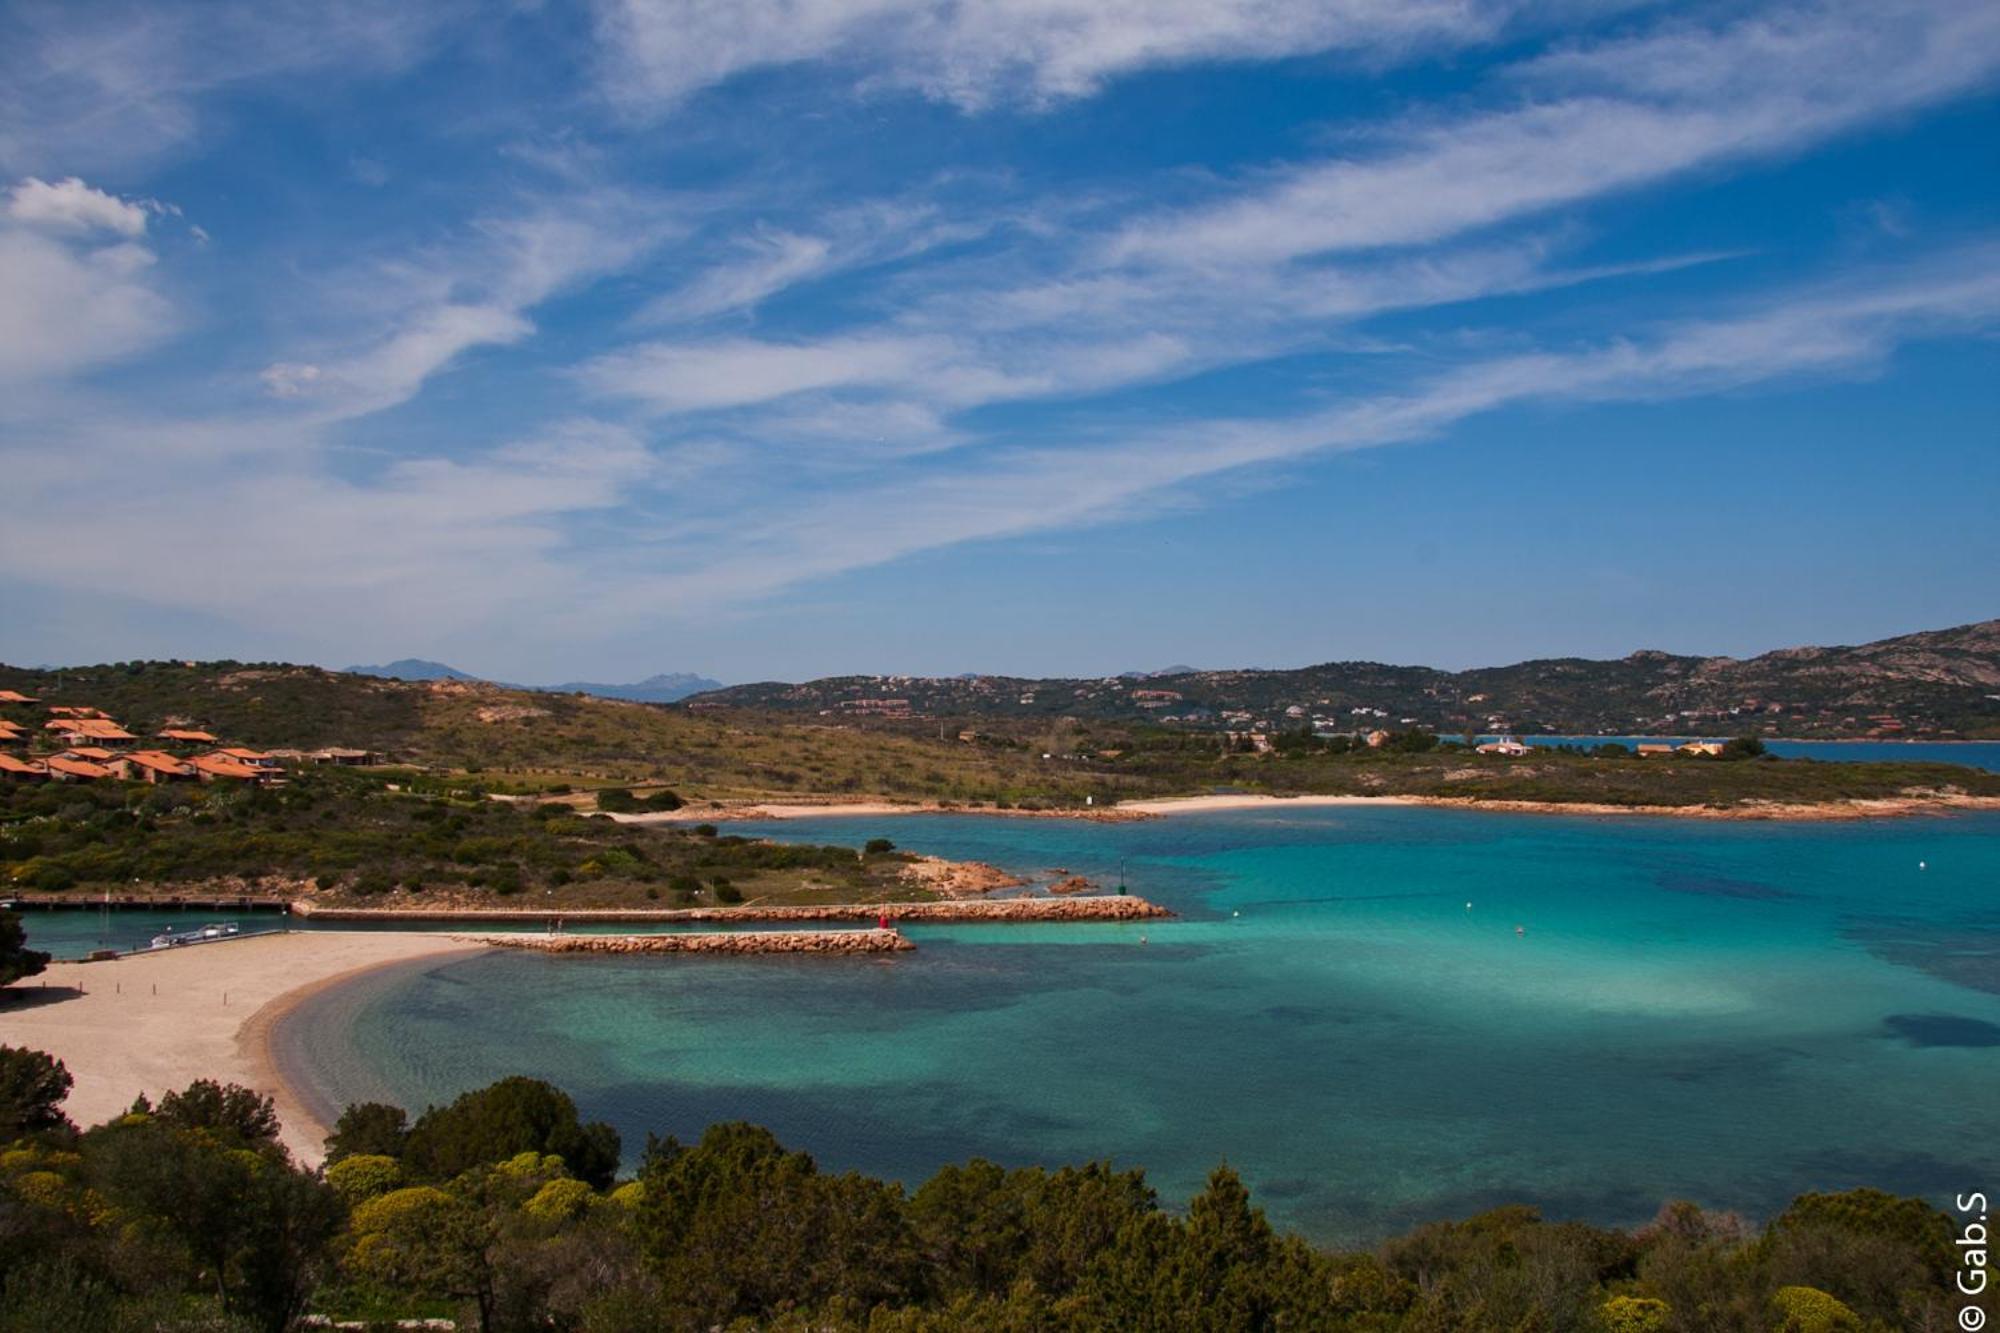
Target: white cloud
{"x":1076,"y":482}
{"x":974,"y":54}
{"x":416,"y":314}
{"x":72,"y":205}
{"x":1601,"y":119}
{"x":734,"y":372}
{"x":67,"y":308}
{"x":116,"y":83}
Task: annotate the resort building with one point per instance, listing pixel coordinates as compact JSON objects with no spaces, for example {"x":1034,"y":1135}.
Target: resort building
{"x":1656,"y":751}
{"x":16,"y":697}
{"x":187,"y":737}
{"x":22,"y":770}
{"x":220,"y":767}
{"x":252,"y":758}
{"x":1709,"y":749}
{"x":152,"y":766}
{"x":64,"y":769}
{"x":1509,"y":746}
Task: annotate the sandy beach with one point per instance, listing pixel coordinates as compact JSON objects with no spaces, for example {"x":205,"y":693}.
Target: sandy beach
{"x":151,"y":1023}
{"x":1876,"y":808}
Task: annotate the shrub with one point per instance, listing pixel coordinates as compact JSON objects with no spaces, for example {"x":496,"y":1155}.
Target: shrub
{"x":360,"y":1178}
{"x":877,"y":846}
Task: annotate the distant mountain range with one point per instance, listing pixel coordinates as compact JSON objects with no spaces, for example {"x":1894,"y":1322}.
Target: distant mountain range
{"x":1935,"y":683}
{"x":666,"y":688}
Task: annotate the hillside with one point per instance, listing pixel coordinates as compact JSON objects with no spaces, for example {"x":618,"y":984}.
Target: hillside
{"x":1939,"y":683}
{"x":511,"y":741}
{"x":665,"y":688}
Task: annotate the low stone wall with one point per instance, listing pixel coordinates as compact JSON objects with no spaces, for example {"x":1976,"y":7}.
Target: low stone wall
{"x":1092,"y":907}
{"x":749,"y":941}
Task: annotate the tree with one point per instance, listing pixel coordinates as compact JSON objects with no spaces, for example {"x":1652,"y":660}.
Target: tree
{"x":256,"y":1230}
{"x":368,"y":1129}
{"x":226,"y":1109}
{"x":1743,"y":747}
{"x":513,"y":1116}
{"x":32,"y":1087}
{"x":737,"y":1226}
{"x":17,"y":960}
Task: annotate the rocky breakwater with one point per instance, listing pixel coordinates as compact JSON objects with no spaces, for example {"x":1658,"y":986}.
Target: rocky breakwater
{"x":1084,"y":907}
{"x":749,"y":941}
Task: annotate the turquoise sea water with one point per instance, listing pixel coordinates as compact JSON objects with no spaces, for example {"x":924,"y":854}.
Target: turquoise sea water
{"x":1345,"y":1011}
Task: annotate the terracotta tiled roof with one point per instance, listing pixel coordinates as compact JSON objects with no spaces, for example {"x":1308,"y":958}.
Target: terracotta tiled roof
{"x":92,"y":753}
{"x":103,"y":728}
{"x":183,"y":734}
{"x":16,"y":697}
{"x":74,"y":710}
{"x":247,"y":756}
{"x":222,"y":766}
{"x":9,"y":764}
{"x":78,"y":768}
{"x":164,"y":763}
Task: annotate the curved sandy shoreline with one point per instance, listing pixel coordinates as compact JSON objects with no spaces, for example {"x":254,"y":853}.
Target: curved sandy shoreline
{"x":150,"y":1023}
{"x":1154,"y":808}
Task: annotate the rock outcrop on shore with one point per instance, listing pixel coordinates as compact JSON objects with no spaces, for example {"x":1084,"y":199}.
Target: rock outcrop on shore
{"x":747,"y":941}
{"x":958,"y":879}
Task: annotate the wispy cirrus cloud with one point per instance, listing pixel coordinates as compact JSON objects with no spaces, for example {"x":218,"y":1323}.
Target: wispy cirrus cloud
{"x":1016,"y":491}
{"x":1038,"y":51}
{"x":1595,"y":119}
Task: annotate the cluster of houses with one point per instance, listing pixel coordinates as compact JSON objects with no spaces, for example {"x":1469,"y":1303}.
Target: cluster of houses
{"x":89,"y":746}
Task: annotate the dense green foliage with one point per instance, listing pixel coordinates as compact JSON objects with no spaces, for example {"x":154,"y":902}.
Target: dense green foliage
{"x":1936,"y":682}
{"x":360,"y":835}
{"x":32,"y":1087}
{"x":513,"y":1116}
{"x":17,"y":960}
{"x":499,"y":1211}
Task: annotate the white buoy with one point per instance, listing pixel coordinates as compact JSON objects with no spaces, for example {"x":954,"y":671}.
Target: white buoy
{"x":1922,"y":865}
{"x":1236,"y":914}
{"x":1468,"y":907}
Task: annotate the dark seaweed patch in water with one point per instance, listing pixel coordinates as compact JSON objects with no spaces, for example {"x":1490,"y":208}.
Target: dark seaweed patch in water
{"x":1719,"y":886}
{"x":1943,"y":1030}
{"x":1965,"y":953}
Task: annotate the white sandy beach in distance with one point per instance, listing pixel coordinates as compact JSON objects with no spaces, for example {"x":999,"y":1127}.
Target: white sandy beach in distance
{"x":1186,"y":805}
{"x":155,"y":1022}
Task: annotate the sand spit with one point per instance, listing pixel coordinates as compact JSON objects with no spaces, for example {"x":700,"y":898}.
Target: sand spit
{"x":759,"y":941}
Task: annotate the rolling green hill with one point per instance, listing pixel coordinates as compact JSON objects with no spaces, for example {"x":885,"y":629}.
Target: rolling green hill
{"x":1937,"y":683}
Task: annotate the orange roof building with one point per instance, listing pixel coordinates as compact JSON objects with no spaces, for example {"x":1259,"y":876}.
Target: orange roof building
{"x":16,"y":697}
{"x":95,"y":754}
{"x":210,"y":767}
{"x":74,"y":710}
{"x":254,"y":758}
{"x":22,"y":770}
{"x":188,"y":736}
{"x":156,"y":766}
{"x":76,"y":770}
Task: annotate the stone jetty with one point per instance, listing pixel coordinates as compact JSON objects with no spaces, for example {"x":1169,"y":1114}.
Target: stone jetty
{"x":744,"y":941}
{"x":1080,"y":907}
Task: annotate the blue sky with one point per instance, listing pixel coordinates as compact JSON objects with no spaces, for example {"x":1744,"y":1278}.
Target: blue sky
{"x":800,"y":337}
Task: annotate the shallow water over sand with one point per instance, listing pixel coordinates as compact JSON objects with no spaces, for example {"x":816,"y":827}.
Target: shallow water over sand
{"x":1377,"y":1015}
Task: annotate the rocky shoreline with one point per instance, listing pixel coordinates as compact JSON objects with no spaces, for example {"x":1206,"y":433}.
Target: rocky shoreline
{"x":749,"y":941}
